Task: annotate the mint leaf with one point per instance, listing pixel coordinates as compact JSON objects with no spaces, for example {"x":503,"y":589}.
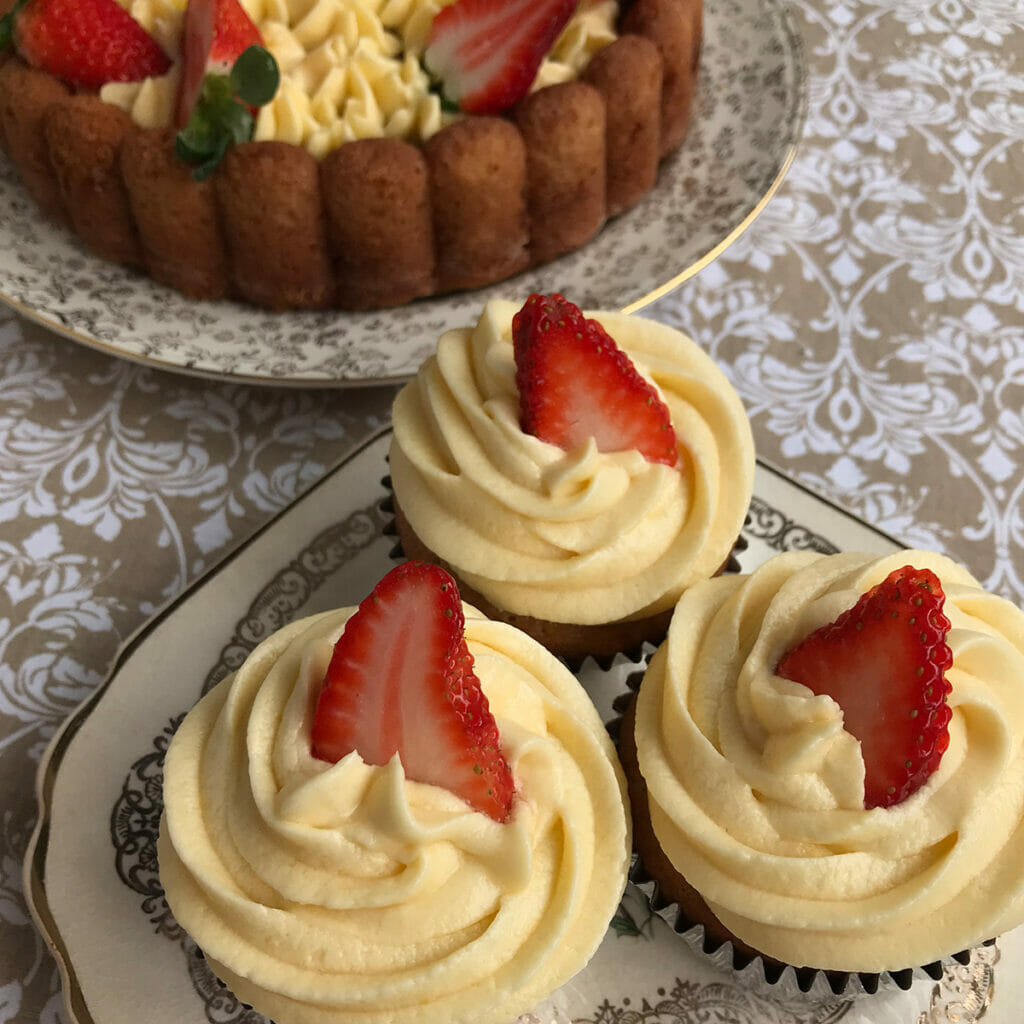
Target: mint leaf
{"x":190,"y":149}
{"x":203,"y":170}
{"x":255,"y":76}
{"x":237,"y":123}
{"x":216,"y":94}
{"x":7,"y":25}
{"x":435,"y":84}
{"x":221,"y":116}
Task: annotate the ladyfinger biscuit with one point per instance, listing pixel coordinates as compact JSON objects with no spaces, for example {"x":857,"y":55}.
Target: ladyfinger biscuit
{"x":379,"y":230}
{"x":632,"y":117}
{"x":25,"y":96}
{"x":671,"y":26}
{"x":268,"y":195}
{"x":176,"y":216}
{"x":695,"y":9}
{"x":84,"y":137}
{"x":478,"y":195}
{"x":563,"y":127}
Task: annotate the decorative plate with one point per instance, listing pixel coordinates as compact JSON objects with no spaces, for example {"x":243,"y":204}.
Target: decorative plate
{"x":90,"y":871}
{"x":749,"y":118}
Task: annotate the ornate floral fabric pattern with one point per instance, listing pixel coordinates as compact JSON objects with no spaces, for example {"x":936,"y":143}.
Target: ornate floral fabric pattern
{"x":119,"y":487}
{"x":872,"y":320}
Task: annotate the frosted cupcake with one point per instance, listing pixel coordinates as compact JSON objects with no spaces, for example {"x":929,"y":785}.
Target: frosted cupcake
{"x":575,"y":474}
{"x":828,"y":764}
{"x":389,"y":815}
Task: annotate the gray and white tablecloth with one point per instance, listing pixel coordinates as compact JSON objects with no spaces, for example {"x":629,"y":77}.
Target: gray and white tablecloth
{"x":872,"y":319}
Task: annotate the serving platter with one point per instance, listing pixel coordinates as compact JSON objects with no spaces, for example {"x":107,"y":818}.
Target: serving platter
{"x":748,"y":119}
{"x":90,"y":871}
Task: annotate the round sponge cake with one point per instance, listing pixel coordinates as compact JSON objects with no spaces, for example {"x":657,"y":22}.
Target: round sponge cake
{"x":374,"y":222}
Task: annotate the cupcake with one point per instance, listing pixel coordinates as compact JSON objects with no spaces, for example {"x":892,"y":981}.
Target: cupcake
{"x":394,"y":814}
{"x":827,"y":765}
{"x":574,"y":474}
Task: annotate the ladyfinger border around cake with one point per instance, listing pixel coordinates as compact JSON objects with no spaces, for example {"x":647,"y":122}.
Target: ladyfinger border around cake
{"x":483,"y":199}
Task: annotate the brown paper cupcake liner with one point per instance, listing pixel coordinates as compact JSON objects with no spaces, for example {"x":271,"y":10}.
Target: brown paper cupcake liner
{"x":777,"y":980}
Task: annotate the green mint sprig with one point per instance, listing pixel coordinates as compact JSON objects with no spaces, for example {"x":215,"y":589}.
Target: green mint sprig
{"x":7,"y":25}
{"x":435,"y":84}
{"x":222,"y":117}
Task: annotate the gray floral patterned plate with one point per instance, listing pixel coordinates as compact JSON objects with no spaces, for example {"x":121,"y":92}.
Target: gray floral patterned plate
{"x":91,"y":876}
{"x":748,"y":121}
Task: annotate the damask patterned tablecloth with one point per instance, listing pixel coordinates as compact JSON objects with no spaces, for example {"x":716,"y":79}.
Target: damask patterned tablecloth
{"x":872,"y":319}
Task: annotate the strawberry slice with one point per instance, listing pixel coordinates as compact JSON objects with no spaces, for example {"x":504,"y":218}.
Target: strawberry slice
{"x":86,"y":43}
{"x":215,"y":33}
{"x":883,"y":662}
{"x":486,"y":52}
{"x":401,"y":680}
{"x":576,"y":383}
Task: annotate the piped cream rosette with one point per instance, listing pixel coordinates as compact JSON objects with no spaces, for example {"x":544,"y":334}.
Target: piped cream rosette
{"x":757,"y":792}
{"x":580,"y":536}
{"x":331,"y":893}
{"x":350,"y":69}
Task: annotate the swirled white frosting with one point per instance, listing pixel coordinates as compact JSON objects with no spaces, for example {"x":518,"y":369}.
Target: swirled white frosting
{"x":350,"y":69}
{"x":579,"y":536}
{"x":757,"y":791}
{"x":335,"y":893}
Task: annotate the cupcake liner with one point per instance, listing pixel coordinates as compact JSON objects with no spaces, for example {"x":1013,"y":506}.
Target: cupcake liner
{"x":784,"y":981}
{"x":389,"y":529}
{"x":732,"y":563}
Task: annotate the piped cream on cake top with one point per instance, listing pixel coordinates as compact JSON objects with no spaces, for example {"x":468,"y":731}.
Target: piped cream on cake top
{"x":350,"y":69}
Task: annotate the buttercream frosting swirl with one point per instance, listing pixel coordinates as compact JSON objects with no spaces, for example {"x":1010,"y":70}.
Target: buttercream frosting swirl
{"x":331,"y":893}
{"x":580,"y":536}
{"x":350,"y":69}
{"x":757,"y":792}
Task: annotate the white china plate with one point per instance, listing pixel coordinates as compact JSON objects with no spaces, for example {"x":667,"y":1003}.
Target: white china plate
{"x":748,"y":121}
{"x":90,"y":869}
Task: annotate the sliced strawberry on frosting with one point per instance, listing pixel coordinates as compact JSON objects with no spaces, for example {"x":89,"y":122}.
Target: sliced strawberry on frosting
{"x":884,"y":662}
{"x":401,"y":681}
{"x":234,"y":32}
{"x":486,"y":53}
{"x":215,"y":34}
{"x":576,"y":383}
{"x":87,"y":43}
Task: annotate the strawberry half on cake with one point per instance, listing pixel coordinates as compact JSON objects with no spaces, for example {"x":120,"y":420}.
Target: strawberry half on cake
{"x":575,"y":471}
{"x":826,"y":766}
{"x":395,"y":813}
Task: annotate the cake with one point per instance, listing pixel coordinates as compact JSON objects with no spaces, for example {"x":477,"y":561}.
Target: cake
{"x":359,"y":188}
{"x":585,"y":544}
{"x":459,"y":870}
{"x":826,"y":762}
